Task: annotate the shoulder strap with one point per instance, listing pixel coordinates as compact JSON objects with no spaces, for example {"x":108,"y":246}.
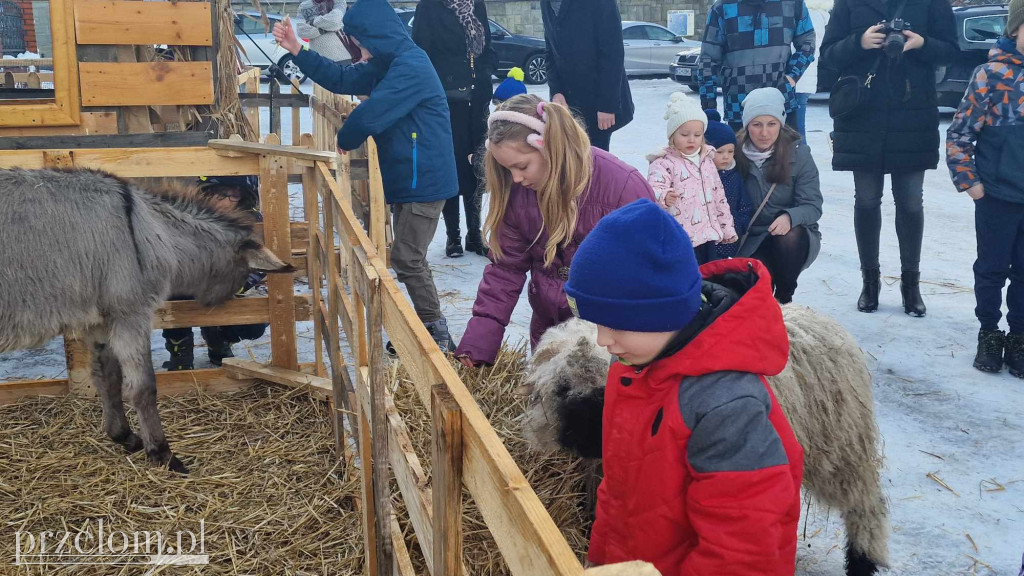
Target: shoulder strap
{"x":754,"y":217}
{"x":878,"y":59}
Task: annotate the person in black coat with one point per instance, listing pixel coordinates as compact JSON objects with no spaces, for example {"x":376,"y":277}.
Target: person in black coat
{"x":895,"y":131}
{"x":456,"y":36}
{"x":586,"y":69}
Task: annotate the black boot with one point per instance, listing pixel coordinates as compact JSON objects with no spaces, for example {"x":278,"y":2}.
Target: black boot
{"x":439,"y":331}
{"x":868,"y":301}
{"x":990,"y":351}
{"x":910,"y":286}
{"x":453,"y":249}
{"x":182,"y":355}
{"x":217,"y":347}
{"x":1014,"y":353}
{"x":475,"y":244}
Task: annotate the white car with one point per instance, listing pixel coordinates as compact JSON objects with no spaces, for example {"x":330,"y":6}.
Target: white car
{"x":650,"y":48}
{"x":259,"y":48}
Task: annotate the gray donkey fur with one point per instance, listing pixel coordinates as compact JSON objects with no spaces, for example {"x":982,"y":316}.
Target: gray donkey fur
{"x":84,"y":252}
{"x":825,"y":392}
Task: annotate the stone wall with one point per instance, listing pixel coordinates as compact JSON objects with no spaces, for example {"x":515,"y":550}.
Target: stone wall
{"x":523,"y":16}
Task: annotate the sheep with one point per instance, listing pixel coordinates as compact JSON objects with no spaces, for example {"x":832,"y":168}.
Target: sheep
{"x":825,"y":392}
{"x":87,"y":253}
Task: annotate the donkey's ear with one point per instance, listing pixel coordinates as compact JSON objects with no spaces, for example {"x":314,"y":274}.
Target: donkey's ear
{"x":261,"y":259}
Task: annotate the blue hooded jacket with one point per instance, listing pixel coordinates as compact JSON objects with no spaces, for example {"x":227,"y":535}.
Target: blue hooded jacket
{"x":406,"y":113}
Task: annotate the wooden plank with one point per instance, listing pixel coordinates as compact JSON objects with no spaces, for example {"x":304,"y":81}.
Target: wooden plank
{"x":403,"y":563}
{"x":295,"y":152}
{"x":11,"y":392}
{"x":143,"y":162}
{"x":379,"y":427}
{"x":297,"y":122}
{"x":74,"y":142}
{"x":174,"y":23}
{"x":274,"y":204}
{"x":132,"y":119}
{"x":378,"y":209}
{"x":315,"y":386}
{"x":248,"y":75}
{"x":167,"y":383}
{"x":310,"y":206}
{"x":446,"y":469}
{"x":368,"y":504}
{"x":298,"y":229}
{"x":234,"y":312}
{"x":91,"y":123}
{"x":24,"y":62}
{"x":146,"y":83}
{"x":274,"y":87}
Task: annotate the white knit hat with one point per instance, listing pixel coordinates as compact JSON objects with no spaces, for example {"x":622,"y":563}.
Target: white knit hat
{"x":764,"y":102}
{"x":682,"y":109}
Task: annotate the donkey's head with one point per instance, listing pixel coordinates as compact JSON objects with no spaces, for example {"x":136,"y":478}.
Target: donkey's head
{"x":217,"y":249}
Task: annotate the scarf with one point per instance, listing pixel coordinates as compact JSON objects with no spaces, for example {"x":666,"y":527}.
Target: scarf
{"x":755,"y":155}
{"x":470,"y":25}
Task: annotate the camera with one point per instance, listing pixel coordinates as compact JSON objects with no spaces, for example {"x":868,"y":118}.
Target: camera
{"x":894,"y":38}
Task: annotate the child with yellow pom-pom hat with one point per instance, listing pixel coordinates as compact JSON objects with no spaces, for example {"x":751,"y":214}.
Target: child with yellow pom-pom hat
{"x":512,"y":86}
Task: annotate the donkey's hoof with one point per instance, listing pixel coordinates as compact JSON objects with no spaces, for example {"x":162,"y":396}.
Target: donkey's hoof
{"x":129,"y":441}
{"x":176,"y":465}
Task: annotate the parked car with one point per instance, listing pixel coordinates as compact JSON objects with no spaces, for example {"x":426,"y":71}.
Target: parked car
{"x":684,"y":69}
{"x":259,"y":48}
{"x":652,"y":49}
{"x":513,"y":50}
{"x":978,"y":28}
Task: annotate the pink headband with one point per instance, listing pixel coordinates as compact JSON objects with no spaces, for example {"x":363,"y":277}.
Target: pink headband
{"x":536,"y":140}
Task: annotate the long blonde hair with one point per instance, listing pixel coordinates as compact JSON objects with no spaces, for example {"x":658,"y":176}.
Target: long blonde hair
{"x":567,"y":151}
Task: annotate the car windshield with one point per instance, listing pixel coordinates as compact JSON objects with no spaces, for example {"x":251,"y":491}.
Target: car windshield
{"x":252,"y":24}
{"x":984,"y":28}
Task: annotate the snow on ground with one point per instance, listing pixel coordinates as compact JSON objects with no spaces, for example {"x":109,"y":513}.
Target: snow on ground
{"x":941,"y":420}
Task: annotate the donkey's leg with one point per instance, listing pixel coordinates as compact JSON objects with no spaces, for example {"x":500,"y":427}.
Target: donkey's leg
{"x":106,"y":376}
{"x":129,"y":343}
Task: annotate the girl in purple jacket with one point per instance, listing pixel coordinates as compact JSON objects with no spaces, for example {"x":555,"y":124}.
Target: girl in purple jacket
{"x":549,"y":188}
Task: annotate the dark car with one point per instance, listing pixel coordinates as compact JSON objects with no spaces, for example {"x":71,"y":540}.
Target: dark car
{"x":684,"y":69}
{"x":978,"y":28}
{"x":513,"y":50}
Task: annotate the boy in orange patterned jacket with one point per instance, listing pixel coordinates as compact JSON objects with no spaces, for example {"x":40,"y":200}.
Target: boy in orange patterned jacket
{"x":702,"y":471}
{"x":985,"y":154}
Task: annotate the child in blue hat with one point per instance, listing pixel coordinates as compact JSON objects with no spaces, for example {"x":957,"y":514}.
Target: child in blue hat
{"x":511,"y":86}
{"x":723,"y":139}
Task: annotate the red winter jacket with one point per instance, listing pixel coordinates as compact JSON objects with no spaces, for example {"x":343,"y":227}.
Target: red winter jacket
{"x":701,"y":469}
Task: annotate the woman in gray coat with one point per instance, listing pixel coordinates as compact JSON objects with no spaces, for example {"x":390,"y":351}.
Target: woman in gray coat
{"x":782,"y":179}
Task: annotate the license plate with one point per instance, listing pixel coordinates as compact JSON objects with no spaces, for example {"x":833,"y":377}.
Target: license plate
{"x":683,"y":72}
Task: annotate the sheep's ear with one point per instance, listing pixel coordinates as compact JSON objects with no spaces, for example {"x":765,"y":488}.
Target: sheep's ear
{"x":261,"y":259}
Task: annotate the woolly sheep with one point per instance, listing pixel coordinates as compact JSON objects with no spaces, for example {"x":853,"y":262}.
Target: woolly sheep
{"x":825,"y":392}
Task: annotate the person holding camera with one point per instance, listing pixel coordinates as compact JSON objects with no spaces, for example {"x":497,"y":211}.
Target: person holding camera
{"x":887,"y":122}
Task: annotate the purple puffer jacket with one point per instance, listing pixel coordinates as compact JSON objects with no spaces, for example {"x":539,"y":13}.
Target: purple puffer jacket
{"x":614,"y":184}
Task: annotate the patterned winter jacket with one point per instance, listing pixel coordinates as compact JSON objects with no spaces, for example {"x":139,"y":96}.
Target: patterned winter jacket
{"x":740,"y":206}
{"x":702,"y":209}
{"x":750,"y":44}
{"x":992,"y":116}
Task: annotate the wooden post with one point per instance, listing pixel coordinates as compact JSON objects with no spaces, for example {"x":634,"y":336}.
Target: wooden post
{"x":77,"y":356}
{"x":275,"y":109}
{"x":447,"y":483}
{"x":252,"y":86}
{"x":378,"y":209}
{"x":332,"y":338}
{"x":369,"y":512}
{"x":296,"y":124}
{"x":379,"y":424}
{"x":310,"y":202}
{"x":277,"y":237}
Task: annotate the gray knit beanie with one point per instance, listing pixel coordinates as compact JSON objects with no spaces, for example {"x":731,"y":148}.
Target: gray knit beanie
{"x":1016,"y":17}
{"x":766,"y":102}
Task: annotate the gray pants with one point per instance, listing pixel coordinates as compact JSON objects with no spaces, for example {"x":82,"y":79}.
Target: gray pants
{"x":414,"y":224}
{"x":908,"y":192}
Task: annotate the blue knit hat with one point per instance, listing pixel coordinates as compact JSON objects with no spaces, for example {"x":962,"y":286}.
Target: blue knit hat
{"x":636,"y":271}
{"x":511,"y":86}
{"x":718,"y":134}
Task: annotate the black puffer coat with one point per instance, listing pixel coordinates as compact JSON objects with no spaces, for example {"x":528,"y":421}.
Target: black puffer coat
{"x":898,"y":129}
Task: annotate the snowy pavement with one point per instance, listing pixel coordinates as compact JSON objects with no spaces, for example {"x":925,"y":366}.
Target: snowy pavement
{"x":954,"y":469}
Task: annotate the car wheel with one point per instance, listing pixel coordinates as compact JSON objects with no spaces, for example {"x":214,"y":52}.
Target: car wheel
{"x":289,"y":71}
{"x":536,"y":69}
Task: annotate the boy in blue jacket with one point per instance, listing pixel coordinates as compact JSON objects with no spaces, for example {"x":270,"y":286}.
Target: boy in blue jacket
{"x":722,"y":138}
{"x":407,"y":115}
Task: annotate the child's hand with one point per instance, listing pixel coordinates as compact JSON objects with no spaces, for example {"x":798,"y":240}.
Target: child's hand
{"x":671,"y":198}
{"x":465,"y":361}
{"x":285,"y":36}
{"x":731,"y":240}
{"x":976,"y":192}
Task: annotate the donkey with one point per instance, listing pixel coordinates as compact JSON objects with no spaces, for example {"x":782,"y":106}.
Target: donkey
{"x":84,"y":252}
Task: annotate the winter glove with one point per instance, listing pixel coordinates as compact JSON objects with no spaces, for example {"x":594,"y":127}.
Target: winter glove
{"x":789,"y":91}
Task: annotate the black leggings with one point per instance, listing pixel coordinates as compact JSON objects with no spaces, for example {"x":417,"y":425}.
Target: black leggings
{"x":784,"y":256}
{"x":908,"y":192}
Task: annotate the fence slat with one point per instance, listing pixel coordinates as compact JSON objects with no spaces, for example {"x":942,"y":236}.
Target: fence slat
{"x":276,"y":227}
{"x":446,"y":470}
{"x":379,"y":428}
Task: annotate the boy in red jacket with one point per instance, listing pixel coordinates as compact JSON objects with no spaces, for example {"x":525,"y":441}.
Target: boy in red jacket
{"x":702,"y":472}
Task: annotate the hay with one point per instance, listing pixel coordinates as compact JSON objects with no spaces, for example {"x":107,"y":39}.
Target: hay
{"x":263,"y":479}
{"x":558,"y":479}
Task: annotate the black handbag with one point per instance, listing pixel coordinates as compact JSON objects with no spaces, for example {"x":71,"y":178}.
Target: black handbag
{"x":464,"y":93}
{"x":849,"y":93}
